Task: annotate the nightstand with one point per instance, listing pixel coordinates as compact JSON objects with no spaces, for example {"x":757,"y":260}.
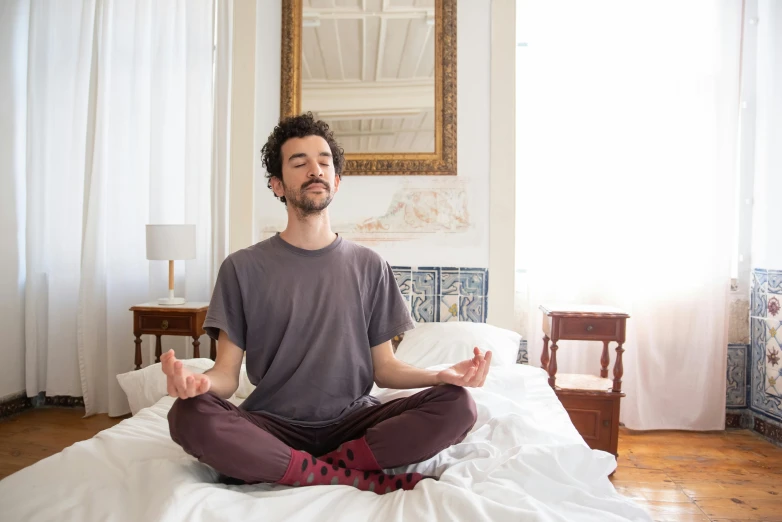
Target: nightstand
{"x":591,"y":401}
{"x":158,"y":320}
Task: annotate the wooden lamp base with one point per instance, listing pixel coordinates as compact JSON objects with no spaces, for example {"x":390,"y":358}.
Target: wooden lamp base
{"x":171,"y":300}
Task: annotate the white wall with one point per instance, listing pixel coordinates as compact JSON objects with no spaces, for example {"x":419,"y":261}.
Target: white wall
{"x":13,"y":43}
{"x":370,"y":196}
{"x":766,"y":243}
{"x":503,"y":198}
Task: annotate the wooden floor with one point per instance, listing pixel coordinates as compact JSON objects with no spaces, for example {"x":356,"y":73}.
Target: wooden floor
{"x":676,"y":476}
{"x":36,"y":434}
{"x":687,"y":476}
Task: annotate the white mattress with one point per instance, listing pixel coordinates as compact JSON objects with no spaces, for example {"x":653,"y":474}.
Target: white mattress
{"x":523,"y":460}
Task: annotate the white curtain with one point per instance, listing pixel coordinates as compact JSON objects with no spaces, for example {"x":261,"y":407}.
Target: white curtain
{"x":120,"y":134}
{"x":627,"y":131}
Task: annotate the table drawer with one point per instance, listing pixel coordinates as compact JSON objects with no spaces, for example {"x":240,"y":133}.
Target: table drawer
{"x":585,"y":328}
{"x":168,"y":323}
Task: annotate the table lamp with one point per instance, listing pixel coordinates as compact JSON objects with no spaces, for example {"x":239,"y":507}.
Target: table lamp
{"x":171,"y":242}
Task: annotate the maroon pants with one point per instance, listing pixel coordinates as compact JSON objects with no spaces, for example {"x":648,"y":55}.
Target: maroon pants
{"x":254,"y":447}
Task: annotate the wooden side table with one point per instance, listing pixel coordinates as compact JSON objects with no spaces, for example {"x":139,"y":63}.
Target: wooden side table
{"x":158,"y":320}
{"x":591,"y":401}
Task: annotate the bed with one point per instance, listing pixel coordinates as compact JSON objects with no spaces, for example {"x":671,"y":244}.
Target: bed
{"x":523,"y":460}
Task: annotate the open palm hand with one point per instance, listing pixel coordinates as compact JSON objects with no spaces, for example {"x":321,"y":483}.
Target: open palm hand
{"x":470,"y":373}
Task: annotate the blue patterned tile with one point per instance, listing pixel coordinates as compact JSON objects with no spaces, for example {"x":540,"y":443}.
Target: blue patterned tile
{"x":523,"y":356}
{"x":760,"y":280}
{"x":735,"y":392}
{"x":404,"y":278}
{"x":473,"y":281}
{"x":774,"y":306}
{"x":759,"y":305}
{"x":754,"y":301}
{"x":773,"y":382}
{"x":471,"y":309}
{"x":407,"y":297}
{"x":765,"y":396}
{"x":449,"y":308}
{"x":758,"y":342}
{"x":426,"y":281}
{"x":425,"y":308}
{"x":775,"y":281}
{"x":449,"y":281}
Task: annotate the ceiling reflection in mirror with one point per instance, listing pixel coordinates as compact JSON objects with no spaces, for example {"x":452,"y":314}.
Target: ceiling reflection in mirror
{"x":368,"y":70}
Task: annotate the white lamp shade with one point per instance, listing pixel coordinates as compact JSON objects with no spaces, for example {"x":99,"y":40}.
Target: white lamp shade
{"x":168,"y":242}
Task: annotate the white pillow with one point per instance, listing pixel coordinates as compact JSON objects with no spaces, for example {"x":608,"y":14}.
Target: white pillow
{"x":147,"y":386}
{"x":430,"y":344}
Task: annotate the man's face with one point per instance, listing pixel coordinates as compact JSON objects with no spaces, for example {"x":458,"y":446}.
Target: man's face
{"x":308,"y":178}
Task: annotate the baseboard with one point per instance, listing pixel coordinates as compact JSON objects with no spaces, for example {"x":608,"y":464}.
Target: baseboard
{"x":13,"y":404}
{"x":732,"y":420}
{"x":747,"y":419}
{"x":769,"y":431}
{"x":17,"y":403}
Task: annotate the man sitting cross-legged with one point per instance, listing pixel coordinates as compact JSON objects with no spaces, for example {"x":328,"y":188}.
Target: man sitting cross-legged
{"x":314,"y":314}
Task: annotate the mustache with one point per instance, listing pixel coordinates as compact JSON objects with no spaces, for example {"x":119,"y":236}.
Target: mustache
{"x":311,"y":182}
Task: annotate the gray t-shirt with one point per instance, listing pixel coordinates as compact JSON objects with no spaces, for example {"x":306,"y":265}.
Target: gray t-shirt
{"x":307,"y":320}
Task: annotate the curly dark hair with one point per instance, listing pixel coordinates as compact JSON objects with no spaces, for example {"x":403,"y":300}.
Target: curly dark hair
{"x":299,"y":126}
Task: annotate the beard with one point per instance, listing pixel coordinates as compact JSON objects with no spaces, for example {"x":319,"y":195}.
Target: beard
{"x":307,"y":204}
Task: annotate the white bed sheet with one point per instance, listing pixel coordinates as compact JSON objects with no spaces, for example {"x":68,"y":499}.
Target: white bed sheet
{"x":523,"y":460}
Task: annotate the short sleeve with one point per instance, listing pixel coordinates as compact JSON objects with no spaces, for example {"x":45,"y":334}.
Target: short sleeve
{"x":226,"y":310}
{"x":390,"y":316}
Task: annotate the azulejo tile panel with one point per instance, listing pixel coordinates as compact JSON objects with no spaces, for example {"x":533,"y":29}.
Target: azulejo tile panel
{"x":774,"y":281}
{"x":404,"y":278}
{"x":760,"y":280}
{"x":774,"y":305}
{"x":763,"y":366}
{"x":449,"y":308}
{"x":736,"y":390}
{"x":426,"y":281}
{"x":424,"y":308}
{"x":765,"y":372}
{"x":471,"y":309}
{"x":441,"y":294}
{"x":759,"y":293}
{"x":474,"y":282}
{"x":449,"y":284}
{"x":773,"y":382}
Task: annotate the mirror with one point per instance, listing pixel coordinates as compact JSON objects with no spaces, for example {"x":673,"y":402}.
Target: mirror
{"x":382,"y":74}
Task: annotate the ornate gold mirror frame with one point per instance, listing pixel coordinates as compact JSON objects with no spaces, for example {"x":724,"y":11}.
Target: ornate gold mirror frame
{"x":443,"y":160}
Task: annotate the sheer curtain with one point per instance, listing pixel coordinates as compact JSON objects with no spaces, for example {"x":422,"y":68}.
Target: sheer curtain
{"x":120,"y":134}
{"x":627,"y":118}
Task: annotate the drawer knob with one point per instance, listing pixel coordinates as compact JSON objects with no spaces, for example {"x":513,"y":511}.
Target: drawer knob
{"x":164,"y":325}
{"x":589,"y":328}
{"x":605,"y":423}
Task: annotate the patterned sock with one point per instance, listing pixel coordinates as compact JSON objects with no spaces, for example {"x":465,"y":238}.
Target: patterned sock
{"x":353,"y":454}
{"x":306,"y":470}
